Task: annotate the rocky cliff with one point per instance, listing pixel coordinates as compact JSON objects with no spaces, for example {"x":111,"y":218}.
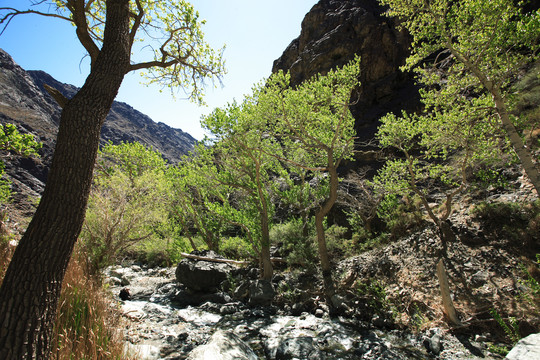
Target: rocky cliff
{"x":24,"y":102}
{"x":333,"y":32}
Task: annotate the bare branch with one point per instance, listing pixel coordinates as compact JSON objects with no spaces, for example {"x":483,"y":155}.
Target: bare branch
{"x":5,"y":20}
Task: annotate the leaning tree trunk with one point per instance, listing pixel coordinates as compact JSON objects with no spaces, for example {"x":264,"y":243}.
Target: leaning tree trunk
{"x":267,"y":268}
{"x":328,"y":282}
{"x":31,"y":288}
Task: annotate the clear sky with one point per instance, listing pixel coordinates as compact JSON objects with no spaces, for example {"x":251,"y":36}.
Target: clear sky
{"x":255,"y":32}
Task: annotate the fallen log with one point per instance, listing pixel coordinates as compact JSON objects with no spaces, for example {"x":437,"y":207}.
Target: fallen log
{"x":204,"y":258}
{"x":227,"y":261}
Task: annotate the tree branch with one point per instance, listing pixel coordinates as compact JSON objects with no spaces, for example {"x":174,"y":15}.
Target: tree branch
{"x":57,"y":95}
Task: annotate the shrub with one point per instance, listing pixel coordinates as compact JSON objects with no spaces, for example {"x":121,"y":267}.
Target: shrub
{"x":517,"y":221}
{"x":238,"y":248}
{"x":162,"y":252}
{"x":297,"y":248}
{"x":400,"y":215}
{"x":337,"y":243}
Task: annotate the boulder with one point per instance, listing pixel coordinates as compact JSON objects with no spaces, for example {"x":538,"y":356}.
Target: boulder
{"x":302,"y":347}
{"x":261,"y":292}
{"x":527,"y":348}
{"x":203,"y":276}
{"x":223,"y":345}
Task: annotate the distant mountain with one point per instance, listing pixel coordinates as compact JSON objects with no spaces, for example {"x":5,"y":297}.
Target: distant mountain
{"x":24,"y":102}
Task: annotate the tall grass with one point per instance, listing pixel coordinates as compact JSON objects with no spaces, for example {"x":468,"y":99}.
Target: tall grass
{"x":87,"y":323}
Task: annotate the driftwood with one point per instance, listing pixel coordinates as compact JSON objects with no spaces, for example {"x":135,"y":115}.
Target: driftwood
{"x":203,"y":258}
{"x":227,"y":261}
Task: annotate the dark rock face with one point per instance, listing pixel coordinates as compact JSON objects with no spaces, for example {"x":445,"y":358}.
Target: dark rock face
{"x":333,"y":32}
{"x":25,"y":103}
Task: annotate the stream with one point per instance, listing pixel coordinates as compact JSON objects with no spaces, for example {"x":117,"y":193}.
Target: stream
{"x":157,"y":327}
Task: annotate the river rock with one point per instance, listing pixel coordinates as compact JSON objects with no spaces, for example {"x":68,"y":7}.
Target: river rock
{"x":144,"y":351}
{"x":204,"y":276}
{"x":527,"y":348}
{"x":261,"y":292}
{"x":302,"y":347}
{"x":223,"y":345}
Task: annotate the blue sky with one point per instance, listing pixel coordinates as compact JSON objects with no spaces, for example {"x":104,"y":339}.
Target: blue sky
{"x":255,"y":33}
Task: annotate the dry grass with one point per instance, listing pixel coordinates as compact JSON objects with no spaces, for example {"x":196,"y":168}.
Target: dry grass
{"x":87,"y":325}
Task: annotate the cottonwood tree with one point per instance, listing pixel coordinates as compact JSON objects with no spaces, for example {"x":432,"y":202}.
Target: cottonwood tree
{"x":438,"y":148}
{"x":109,"y":31}
{"x":243,"y":144}
{"x":481,"y":45}
{"x":129,"y":198}
{"x":316,"y":129}
{"x":192,"y":191}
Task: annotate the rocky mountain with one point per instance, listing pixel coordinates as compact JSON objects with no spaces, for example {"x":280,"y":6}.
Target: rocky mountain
{"x":333,"y":32}
{"x":25,"y":102}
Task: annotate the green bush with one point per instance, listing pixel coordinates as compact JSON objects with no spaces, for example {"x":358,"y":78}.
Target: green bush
{"x":396,"y":217}
{"x":400,"y":214}
{"x":517,"y":221}
{"x":298,"y":248}
{"x":237,"y":248}
{"x":337,"y":243}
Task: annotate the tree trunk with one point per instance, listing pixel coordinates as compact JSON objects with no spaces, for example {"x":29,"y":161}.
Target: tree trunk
{"x":448,"y":304}
{"x":519,"y":147}
{"x":31,"y":288}
{"x":265,"y":249}
{"x":326,"y":269}
{"x":329,"y":288}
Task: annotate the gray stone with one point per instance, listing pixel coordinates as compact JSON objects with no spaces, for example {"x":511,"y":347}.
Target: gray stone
{"x":435,"y":344}
{"x":223,"y":345}
{"x":203,"y":276}
{"x":302,"y":347}
{"x":261,"y":292}
{"x":480,"y":278}
{"x":527,"y":348}
{"x":242,"y":291}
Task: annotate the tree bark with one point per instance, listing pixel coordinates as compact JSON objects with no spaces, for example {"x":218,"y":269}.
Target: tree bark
{"x":448,"y":304}
{"x":329,"y":288}
{"x":31,"y":288}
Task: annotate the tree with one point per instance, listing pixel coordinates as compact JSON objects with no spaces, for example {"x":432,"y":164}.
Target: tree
{"x":193,"y":190}
{"x":437,"y":149}
{"x":242,"y":146}
{"x":478,"y":47}
{"x":130,"y":196}
{"x":108,"y":30}
{"x":316,"y":129}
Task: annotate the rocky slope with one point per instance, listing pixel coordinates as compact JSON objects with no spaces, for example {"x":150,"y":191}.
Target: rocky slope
{"x":333,"y":32}
{"x":24,"y":102}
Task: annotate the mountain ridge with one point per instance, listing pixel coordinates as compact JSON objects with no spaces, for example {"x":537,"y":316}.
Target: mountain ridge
{"x":25,"y":103}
